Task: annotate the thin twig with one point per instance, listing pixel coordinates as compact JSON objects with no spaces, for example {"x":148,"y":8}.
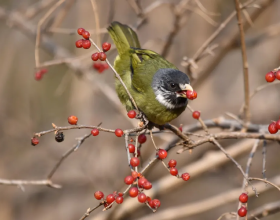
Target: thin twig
{"x":245,"y":64}
{"x":38,"y":36}
{"x":97,"y":23}
{"x":227,"y":213}
{"x":91,"y":210}
{"x":29,"y":182}
{"x":264,"y":159}
{"x":265,"y":181}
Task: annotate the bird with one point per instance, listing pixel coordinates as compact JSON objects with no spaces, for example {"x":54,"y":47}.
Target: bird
{"x":157,"y":86}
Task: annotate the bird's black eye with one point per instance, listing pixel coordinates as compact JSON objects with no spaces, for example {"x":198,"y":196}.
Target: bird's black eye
{"x":172,"y":85}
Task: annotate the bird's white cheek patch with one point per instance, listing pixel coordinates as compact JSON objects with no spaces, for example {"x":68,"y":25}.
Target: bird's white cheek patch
{"x":164,"y":101}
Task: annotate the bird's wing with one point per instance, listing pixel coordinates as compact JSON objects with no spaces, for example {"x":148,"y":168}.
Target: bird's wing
{"x":144,"y":64}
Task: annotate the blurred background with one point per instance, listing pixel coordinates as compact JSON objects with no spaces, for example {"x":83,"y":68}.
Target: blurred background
{"x":75,"y":88}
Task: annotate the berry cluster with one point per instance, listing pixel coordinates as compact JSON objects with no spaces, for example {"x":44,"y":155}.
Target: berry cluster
{"x":39,"y":74}
{"x":272,"y":75}
{"x":243,"y":211}
{"x":83,"y":43}
{"x":274,"y":127}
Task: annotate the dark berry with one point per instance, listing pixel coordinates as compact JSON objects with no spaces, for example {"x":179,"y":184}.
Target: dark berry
{"x":196,"y":114}
{"x":106,"y":46}
{"x":95,"y":57}
{"x":128,"y":180}
{"x":270,"y":77}
{"x":134,"y":161}
{"x":98,"y":195}
{"x":119,"y":132}
{"x":272,"y":128}
{"x":162,"y":154}
{"x":59,"y":137}
{"x":131,"y":114}
{"x":243,"y":197}
{"x":242,"y":211}
{"x":102,"y":56}
{"x":173,"y":171}
{"x":131,"y":148}
{"x":34,"y":141}
{"x":172,"y":163}
{"x":86,"y":34}
{"x":142,"y":197}
{"x":72,"y":120}
{"x":142,"y":138}
{"x":80,"y":31}
{"x":119,"y":199}
{"x":86,"y":44}
{"x":185,"y":176}
{"x":79,"y":43}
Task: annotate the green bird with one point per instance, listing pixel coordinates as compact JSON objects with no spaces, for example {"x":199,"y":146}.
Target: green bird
{"x":157,"y":86}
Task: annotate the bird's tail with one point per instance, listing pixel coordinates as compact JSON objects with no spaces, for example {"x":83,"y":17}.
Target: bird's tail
{"x":123,"y":36}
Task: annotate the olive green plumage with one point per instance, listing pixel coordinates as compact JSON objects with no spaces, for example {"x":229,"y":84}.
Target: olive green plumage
{"x":137,"y":68}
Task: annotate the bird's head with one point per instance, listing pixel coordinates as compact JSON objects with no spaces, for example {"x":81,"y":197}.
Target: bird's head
{"x":170,"y":87}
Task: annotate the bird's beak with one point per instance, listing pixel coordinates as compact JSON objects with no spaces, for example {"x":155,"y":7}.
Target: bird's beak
{"x":184,"y":88}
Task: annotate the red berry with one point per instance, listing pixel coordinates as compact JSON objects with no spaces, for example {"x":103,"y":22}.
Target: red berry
{"x":162,"y":154}
{"x":128,"y":180}
{"x":43,"y":71}
{"x":272,"y":128}
{"x":120,"y":194}
{"x":131,"y":148}
{"x":86,"y":44}
{"x":86,"y":34}
{"x":142,"y":181}
{"x":131,"y":114}
{"x":172,"y":163}
{"x":72,"y":120}
{"x":156,"y":203}
{"x":270,"y":77}
{"x":196,"y":114}
{"x":97,"y":65}
{"x":185,"y":176}
{"x":110,"y":198}
{"x":148,"y":199}
{"x":98,"y":195}
{"x":95,"y":132}
{"x":119,"y":199}
{"x":142,"y":197}
{"x":102,"y":56}
{"x":181,"y":128}
{"x":277,"y":74}
{"x":278,"y":124}
{"x":242,"y":211}
{"x":147,"y":185}
{"x":134,"y":161}
{"x":34,"y":141}
{"x":80,"y":31}
{"x":95,"y":57}
{"x":142,"y":138}
{"x":151,"y":202}
{"x":79,"y":43}
{"x":243,"y":198}
{"x":173,"y":171}
{"x":191,"y":95}
{"x":119,"y":132}
{"x":106,"y":46}
{"x":133,"y":191}
{"x":38,"y":75}
{"x":134,"y":174}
